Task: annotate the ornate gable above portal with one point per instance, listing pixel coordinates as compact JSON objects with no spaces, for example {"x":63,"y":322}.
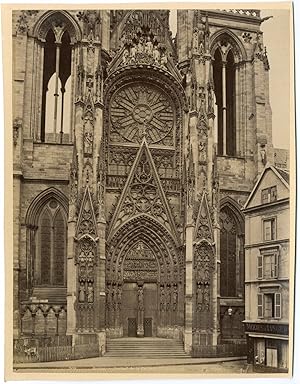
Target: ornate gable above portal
{"x":144,"y":39}
{"x":143,"y":194}
{"x":203,"y":228}
{"x":86,"y":224}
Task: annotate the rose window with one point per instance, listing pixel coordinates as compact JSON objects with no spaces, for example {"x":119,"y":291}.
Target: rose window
{"x":138,"y":111}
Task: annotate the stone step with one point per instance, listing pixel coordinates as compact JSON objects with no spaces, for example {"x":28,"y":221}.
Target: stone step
{"x":145,"y":348}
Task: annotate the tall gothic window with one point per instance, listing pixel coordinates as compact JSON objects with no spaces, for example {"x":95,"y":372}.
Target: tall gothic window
{"x":224,"y":84}
{"x":56,"y":94}
{"x":231,"y":254}
{"x":51,"y":246}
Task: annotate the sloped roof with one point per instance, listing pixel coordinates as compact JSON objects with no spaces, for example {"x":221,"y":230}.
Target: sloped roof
{"x":281,"y":174}
{"x":284,"y":174}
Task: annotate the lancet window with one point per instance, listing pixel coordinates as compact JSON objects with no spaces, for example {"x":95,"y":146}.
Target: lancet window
{"x":54,"y":53}
{"x":231,"y":254}
{"x":56,"y":94}
{"x":224,"y":73}
{"x":51,"y":246}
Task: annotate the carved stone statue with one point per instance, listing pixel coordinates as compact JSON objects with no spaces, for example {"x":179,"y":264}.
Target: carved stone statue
{"x":88,"y":142}
{"x":156,"y":55}
{"x":140,"y":299}
{"x":206,"y":297}
{"x":175,"y":298}
{"x":149,"y":46}
{"x":125,"y":56}
{"x":90,"y":292}
{"x":140,"y":46}
{"x":81,"y":296}
{"x":199,"y":297}
{"x":164,"y":60}
{"x":133,"y":52}
{"x":162,"y":298}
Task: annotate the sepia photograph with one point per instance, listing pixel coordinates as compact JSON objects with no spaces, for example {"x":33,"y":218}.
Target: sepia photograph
{"x":150,"y":202}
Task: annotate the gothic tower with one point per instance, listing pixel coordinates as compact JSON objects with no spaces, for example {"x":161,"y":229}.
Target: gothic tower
{"x":134,"y":152}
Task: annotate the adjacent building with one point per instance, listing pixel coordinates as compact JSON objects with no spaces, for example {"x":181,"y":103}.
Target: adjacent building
{"x":267,"y":263}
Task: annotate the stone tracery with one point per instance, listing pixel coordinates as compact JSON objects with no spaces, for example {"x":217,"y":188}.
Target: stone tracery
{"x":137,"y":111}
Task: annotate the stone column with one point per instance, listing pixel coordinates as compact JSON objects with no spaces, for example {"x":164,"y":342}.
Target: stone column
{"x":237,"y":109}
{"x":216,"y":286}
{"x":56,"y":94}
{"x":188,"y":335}
{"x":224,"y":106}
{"x":71,"y":280}
{"x":140,"y":313}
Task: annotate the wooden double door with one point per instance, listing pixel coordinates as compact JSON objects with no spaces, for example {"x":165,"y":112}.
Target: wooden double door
{"x":139,"y":309}
{"x":147,"y":326}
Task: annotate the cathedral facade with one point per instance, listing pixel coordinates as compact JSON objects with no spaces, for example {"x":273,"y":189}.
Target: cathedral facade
{"x":134,"y":152}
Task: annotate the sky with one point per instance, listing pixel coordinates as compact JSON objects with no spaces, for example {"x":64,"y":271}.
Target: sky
{"x":277,"y":41}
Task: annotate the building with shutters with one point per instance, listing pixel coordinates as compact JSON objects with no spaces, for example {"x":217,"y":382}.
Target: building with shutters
{"x":267,"y":266}
{"x":134,"y":153}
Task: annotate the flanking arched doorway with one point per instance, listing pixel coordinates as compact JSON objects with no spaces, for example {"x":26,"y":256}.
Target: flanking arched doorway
{"x":144,"y":282}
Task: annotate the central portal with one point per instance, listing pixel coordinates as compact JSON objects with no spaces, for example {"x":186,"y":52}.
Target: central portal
{"x":144,"y":293}
{"x":139,"y":309}
{"x":139,"y":298}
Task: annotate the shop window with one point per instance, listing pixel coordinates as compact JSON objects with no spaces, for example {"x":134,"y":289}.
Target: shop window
{"x":272,"y":353}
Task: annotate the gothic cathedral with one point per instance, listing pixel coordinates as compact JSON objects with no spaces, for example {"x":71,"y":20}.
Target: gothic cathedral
{"x":134,"y":151}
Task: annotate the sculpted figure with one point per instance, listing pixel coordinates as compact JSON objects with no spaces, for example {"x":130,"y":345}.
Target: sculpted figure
{"x":149,"y":46}
{"x":133,"y":52}
{"x":125,"y":56}
{"x":140,"y":47}
{"x":90,"y":292}
{"x":81,"y":296}
{"x":162,"y":298}
{"x":164,"y":60}
{"x":140,"y":299}
{"x":156,"y":55}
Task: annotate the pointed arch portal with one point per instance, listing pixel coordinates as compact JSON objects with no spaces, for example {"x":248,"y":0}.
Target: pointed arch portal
{"x":144,"y":275}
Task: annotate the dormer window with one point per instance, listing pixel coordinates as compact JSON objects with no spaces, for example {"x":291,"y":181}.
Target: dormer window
{"x":269,"y":195}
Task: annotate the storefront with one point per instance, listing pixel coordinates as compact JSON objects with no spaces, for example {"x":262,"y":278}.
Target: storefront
{"x":268,"y":346}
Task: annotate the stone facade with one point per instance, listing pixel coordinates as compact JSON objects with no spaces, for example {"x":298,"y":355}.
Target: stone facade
{"x":267,"y":260}
{"x":133,"y":155}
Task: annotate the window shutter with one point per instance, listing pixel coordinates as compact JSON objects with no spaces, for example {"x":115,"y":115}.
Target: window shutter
{"x":273,"y":229}
{"x":276,"y":265}
{"x":277,"y":305}
{"x":259,"y":305}
{"x":259,"y":266}
{"x":267,"y":230}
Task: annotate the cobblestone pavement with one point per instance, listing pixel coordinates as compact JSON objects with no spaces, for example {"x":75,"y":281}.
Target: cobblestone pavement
{"x":170,"y":366}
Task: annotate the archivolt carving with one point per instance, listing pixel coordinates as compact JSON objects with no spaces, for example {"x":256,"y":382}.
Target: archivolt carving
{"x":144,"y":229}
